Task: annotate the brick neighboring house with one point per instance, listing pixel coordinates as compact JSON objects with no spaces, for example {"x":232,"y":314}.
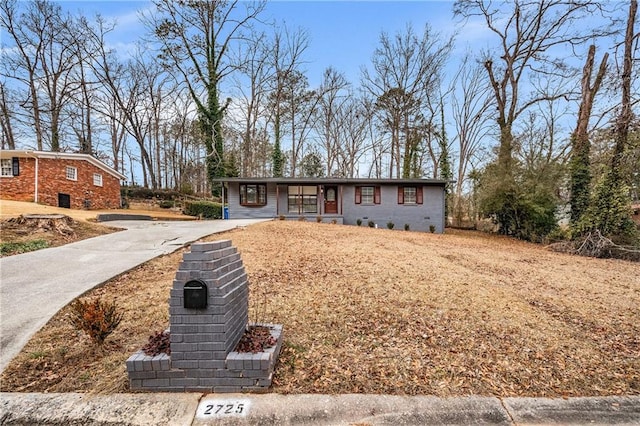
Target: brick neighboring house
{"x":77,"y":181}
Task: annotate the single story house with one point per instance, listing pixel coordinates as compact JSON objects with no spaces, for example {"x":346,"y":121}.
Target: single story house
{"x":59,"y":179}
{"x":418,"y":203}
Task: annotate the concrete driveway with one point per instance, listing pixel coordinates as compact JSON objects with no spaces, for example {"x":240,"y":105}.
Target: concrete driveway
{"x":34,"y":286}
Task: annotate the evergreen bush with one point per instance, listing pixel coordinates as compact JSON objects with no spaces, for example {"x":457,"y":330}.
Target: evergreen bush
{"x":204,"y":209}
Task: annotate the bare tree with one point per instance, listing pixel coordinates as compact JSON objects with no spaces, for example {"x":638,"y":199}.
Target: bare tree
{"x":406,"y":68}
{"x":352,"y":119}
{"x":470,"y":105}
{"x":526,"y":31}
{"x":332,"y":101}
{"x":24,"y":65}
{"x":253,"y":85}
{"x":580,"y":164}
{"x":6,"y":120}
{"x":624,"y":118}
{"x":58,"y":59}
{"x":195,"y":39}
{"x":287,"y":57}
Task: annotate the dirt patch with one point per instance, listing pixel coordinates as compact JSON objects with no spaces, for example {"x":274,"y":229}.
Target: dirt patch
{"x":53,"y":226}
{"x":31,"y":232}
{"x":10,"y":208}
{"x":379,"y":311}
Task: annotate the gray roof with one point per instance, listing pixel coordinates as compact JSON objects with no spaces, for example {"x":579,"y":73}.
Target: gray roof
{"x":334,"y":180}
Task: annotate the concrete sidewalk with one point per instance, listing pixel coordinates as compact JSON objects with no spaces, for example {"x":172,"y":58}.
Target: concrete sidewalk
{"x":34,"y":286}
{"x":273,"y":409}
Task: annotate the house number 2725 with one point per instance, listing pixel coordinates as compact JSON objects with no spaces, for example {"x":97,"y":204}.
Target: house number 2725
{"x":223,"y":409}
{"x":213,"y":408}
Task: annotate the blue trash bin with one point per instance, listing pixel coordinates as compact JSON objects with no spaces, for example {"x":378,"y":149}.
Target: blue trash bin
{"x":226,"y":212}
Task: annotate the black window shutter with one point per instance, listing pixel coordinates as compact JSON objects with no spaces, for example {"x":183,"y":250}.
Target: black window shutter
{"x":15,"y":163}
{"x":358,"y":195}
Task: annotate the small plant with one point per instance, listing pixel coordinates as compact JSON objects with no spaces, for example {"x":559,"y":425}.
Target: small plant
{"x":302,"y":219}
{"x":318,"y":218}
{"x":17,"y":248}
{"x":432,"y":228}
{"x":166,"y":204}
{"x":359,"y":222}
{"x":371,"y":224}
{"x":281,"y":217}
{"x":159,"y":343}
{"x":334,"y":221}
{"x":97,"y":318}
{"x":390,"y":225}
{"x":406,"y":227}
{"x":38,"y":354}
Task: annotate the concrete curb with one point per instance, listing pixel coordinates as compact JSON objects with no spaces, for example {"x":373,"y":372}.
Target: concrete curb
{"x":273,"y":409}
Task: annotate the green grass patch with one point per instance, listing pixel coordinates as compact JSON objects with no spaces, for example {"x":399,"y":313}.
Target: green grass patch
{"x":17,"y":248}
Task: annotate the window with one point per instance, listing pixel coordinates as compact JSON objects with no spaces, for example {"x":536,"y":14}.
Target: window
{"x":303,"y":199}
{"x":72,"y":173}
{"x":367,"y":195}
{"x":97,"y":179}
{"x":409,"y":195}
{"x":253,"y":195}
{"x":7,"y":167}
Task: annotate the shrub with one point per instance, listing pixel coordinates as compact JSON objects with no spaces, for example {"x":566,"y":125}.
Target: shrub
{"x":204,"y":209}
{"x":558,"y":234}
{"x":159,"y":343}
{"x":334,"y":221}
{"x":318,"y":218}
{"x":371,"y":224}
{"x":141,"y":192}
{"x":281,"y":217}
{"x":609,"y":213}
{"x":432,"y":228}
{"x":97,"y":318}
{"x":359,"y":222}
{"x":406,"y":227}
{"x":166,"y":204}
{"x":390,"y":225}
{"x":302,"y":219}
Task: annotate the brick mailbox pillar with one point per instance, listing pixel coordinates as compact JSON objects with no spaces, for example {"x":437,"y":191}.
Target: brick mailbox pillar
{"x":208,"y":314}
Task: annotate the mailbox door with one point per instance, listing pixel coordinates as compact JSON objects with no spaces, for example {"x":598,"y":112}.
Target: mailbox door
{"x":195,"y":294}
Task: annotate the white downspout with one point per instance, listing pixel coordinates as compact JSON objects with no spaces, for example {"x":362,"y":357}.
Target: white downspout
{"x":36,"y":182}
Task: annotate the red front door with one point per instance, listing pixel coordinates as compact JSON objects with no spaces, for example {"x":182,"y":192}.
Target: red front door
{"x":330,"y":200}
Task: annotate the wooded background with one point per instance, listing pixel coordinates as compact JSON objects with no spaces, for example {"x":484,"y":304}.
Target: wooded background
{"x":531,"y":130}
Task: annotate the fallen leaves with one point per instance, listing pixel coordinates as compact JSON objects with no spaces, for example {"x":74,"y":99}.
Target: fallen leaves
{"x":378,"y":311}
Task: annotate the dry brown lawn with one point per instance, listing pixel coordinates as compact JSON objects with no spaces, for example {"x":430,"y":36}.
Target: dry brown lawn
{"x":378,"y":311}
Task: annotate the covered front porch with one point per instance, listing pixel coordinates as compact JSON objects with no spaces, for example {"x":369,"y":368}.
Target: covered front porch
{"x":311,"y":201}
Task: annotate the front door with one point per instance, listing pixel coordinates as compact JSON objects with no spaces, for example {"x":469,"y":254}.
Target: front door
{"x":330,"y":200}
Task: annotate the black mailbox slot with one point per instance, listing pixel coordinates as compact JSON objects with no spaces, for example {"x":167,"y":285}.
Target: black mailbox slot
{"x":195,"y":294}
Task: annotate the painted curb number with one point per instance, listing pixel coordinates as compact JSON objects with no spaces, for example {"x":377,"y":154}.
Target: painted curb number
{"x":216,"y":408}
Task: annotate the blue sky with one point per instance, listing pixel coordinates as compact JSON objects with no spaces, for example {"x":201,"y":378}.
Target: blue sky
{"x":342,"y":34}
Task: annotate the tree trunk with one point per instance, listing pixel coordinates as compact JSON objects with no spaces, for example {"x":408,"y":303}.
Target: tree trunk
{"x":580,"y":165}
{"x":624,"y":120}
